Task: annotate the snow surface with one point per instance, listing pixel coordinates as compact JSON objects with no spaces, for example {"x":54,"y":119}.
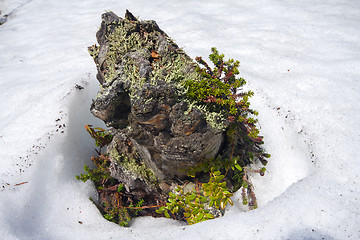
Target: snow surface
{"x":300,"y":57}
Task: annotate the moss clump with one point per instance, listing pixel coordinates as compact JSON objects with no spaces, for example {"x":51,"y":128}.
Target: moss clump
{"x":134,"y":166}
{"x":175,"y":69}
{"x":126,"y":40}
{"x":94,"y":51}
{"x":120,"y":42}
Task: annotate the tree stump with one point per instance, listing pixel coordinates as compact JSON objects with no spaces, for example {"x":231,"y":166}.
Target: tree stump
{"x":157,"y":133}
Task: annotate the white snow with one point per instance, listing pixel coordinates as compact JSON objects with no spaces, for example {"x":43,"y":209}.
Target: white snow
{"x":300,"y":57}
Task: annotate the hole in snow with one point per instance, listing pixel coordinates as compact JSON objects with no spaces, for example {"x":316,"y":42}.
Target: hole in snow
{"x":290,"y":158}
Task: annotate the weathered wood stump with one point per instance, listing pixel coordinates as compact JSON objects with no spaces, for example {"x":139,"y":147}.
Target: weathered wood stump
{"x":158,"y":135}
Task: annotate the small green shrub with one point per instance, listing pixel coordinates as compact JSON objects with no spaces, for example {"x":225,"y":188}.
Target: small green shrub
{"x":116,"y":205}
{"x":195,"y":205}
{"x":99,"y":174}
{"x":100,"y":135}
{"x":217,"y":191}
{"x":220,"y":91}
{"x":216,"y":164}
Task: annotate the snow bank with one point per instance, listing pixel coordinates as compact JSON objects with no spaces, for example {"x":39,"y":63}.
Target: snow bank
{"x":300,"y":58}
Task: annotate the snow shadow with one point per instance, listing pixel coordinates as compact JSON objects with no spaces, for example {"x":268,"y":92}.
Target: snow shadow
{"x":79,"y":147}
{"x":52,"y":193}
{"x":308,"y":234}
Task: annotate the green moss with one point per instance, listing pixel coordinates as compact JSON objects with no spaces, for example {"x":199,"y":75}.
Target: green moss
{"x":216,"y":120}
{"x":118,"y":215}
{"x":174,"y":69}
{"x":94,"y":51}
{"x":120,"y":42}
{"x":134,"y":165}
{"x":131,"y":72}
